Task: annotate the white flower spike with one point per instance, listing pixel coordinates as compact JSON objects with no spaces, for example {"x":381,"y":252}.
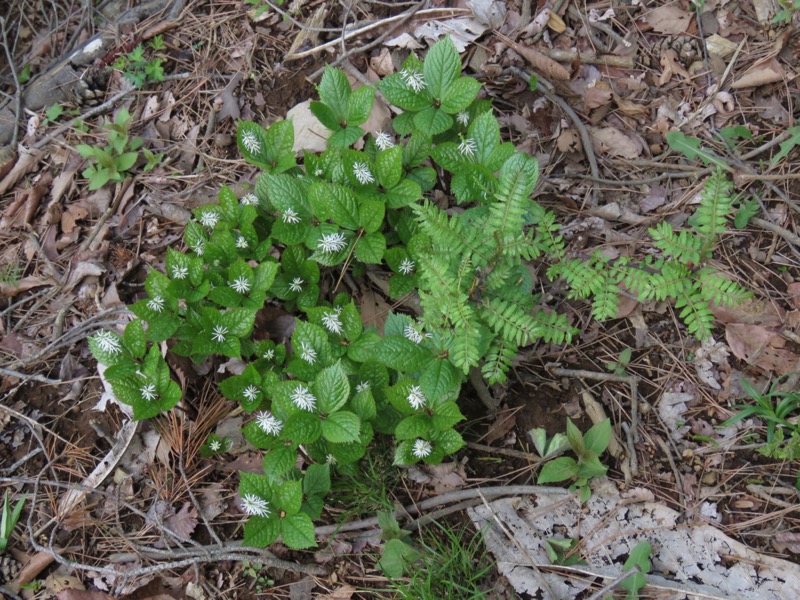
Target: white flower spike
{"x":156,"y":304}
{"x":214,"y":446}
{"x":414,"y":80}
{"x":240,"y":284}
{"x":108,"y":342}
{"x":415,"y":397}
{"x":406,"y":266}
{"x":290,"y":216}
{"x":303,"y":399}
{"x":148,"y":392}
{"x":250,"y":142}
{"x":462,"y":117}
{"x":255,"y":505}
{"x":268,"y":423}
{"x":249,"y":200}
{"x":467,"y":147}
{"x":269,"y":354}
{"x":364,"y":385}
{"x":332,"y":322}
{"x":422,"y":448}
{"x":241,"y":242}
{"x":250,"y":393}
{"x":307,"y":353}
{"x":362,"y":173}
{"x":218,"y":333}
{"x":296,"y":285}
{"x":411,"y":333}
{"x":179,"y":272}
{"x":332,"y":242}
{"x":209,"y":218}
{"x":383,"y":140}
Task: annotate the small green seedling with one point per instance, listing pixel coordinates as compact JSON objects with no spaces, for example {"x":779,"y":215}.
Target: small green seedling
{"x":140,"y":68}
{"x":563,"y":552}
{"x":398,"y":553}
{"x":618,"y":368}
{"x":588,"y":448}
{"x":547,"y":448}
{"x":114,"y":161}
{"x":774,"y":407}
{"x":639,"y":559}
{"x":9,"y":520}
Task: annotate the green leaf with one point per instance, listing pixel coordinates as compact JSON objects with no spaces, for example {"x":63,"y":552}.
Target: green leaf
{"x":126,"y":161}
{"x":690,"y":148}
{"x":135,"y":340}
{"x":289,"y":497}
{"x":252,"y":141}
{"x":359,"y":105}
{"x":370,"y":248}
{"x":432,"y":120}
{"x":317,"y":480}
{"x":558,"y":469}
{"x":345,"y":137}
{"x":597,"y":438}
{"x":404,"y":193}
{"x":302,"y":428}
{"x":371,"y":213}
{"x":448,"y":441}
{"x":460,"y":94}
{"x":297,"y":531}
{"x":575,"y":438}
{"x":446,"y":415}
{"x":389,"y":166}
{"x":240,"y":388}
{"x":334,"y":90}
{"x":334,"y":202}
{"x":397,"y":557}
{"x":441,"y":68}
{"x":325,"y":115}
{"x":279,"y":461}
{"x":747,"y":210}
{"x":412,"y":427}
{"x":341,"y":427}
{"x":260,"y":532}
{"x":401,"y":354}
{"x":787,"y":145}
{"x":440,"y":381}
{"x":331,"y":388}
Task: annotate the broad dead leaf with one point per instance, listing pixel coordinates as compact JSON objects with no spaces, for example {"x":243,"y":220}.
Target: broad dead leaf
{"x":760,"y":347}
{"x":669,"y":19}
{"x":184,"y":521}
{"x":542,"y":63}
{"x":611,"y":141}
{"x":20,"y":212}
{"x":751,"y":311}
{"x":597,"y":95}
{"x":760,"y":73}
{"x":343,"y":593}
{"x":569,"y":141}
{"x":12,"y":288}
{"x":309,"y":134}
{"x":28,"y":161}
{"x":672,"y":66}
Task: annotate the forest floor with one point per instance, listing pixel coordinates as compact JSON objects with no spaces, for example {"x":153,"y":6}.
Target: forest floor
{"x":723,"y":73}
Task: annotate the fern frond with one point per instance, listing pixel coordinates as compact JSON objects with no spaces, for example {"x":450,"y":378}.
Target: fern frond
{"x":510,"y":321}
{"x":555,"y":328}
{"x":695,"y":311}
{"x":684,"y":246}
{"x":464,"y":352}
{"x":518,"y":177}
{"x":605,"y":303}
{"x":669,"y":282}
{"x":582,"y":277}
{"x":716,"y":204}
{"x":546,"y":228}
{"x":498,"y":361}
{"x":637,"y":277}
{"x":435,"y":223}
{"x":715,"y":288}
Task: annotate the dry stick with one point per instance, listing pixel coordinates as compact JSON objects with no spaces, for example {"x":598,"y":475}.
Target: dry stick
{"x":430,"y":13}
{"x":527,"y":456}
{"x":548,"y":90}
{"x":787,"y":235}
{"x":376,"y":42}
{"x":195,"y":503}
{"x":17,"y":86}
{"x":633,"y":382}
{"x":26,"y":377}
{"x":590,"y":58}
{"x":99,"y":109}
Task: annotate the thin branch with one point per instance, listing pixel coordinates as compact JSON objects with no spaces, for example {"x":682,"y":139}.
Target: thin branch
{"x":27,"y":377}
{"x":17,"y":86}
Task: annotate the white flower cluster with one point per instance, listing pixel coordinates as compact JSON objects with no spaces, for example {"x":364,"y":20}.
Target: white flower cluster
{"x":255,"y":505}
{"x":303,"y":399}
{"x":108,"y":342}
{"x":250,"y":142}
{"x":332,"y":242}
{"x":413,"y":79}
{"x":416,"y":398}
{"x":332,"y":322}
{"x":268,"y":423}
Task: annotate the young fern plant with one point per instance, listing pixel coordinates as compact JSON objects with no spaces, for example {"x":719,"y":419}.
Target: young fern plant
{"x":681,"y":275}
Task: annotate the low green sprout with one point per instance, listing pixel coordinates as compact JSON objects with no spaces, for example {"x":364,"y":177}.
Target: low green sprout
{"x":9,"y":520}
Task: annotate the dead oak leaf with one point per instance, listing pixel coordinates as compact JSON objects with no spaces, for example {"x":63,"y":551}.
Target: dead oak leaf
{"x":184,"y":521}
{"x":760,"y":347}
{"x":669,"y":19}
{"x":611,"y":141}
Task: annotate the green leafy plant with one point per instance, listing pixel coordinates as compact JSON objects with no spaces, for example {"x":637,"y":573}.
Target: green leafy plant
{"x":564,"y":552}
{"x":787,"y":11}
{"x":114,"y":161}
{"x":9,"y":520}
{"x":399,"y":554}
{"x":588,"y":448}
{"x":142,"y":65}
{"x":638,"y":559}
{"x":774,"y":407}
{"x":681,"y":275}
{"x":257,"y":572}
{"x":316,"y":402}
{"x":691,"y":148}
{"x":621,"y":364}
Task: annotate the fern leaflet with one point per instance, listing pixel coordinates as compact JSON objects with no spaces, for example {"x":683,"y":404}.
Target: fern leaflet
{"x":716,"y":204}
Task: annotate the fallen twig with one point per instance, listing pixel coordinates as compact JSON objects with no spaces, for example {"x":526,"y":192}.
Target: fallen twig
{"x":17,"y":85}
{"x":27,"y":376}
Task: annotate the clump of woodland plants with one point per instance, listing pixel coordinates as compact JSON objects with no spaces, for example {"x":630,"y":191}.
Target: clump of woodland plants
{"x":337,"y":384}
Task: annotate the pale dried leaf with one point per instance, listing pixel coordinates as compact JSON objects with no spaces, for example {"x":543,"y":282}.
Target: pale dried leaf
{"x":309,"y":134}
{"x":720,"y":46}
{"x":489,"y":12}
{"x":10,"y":289}
{"x":669,"y":19}
{"x":27,"y":162}
{"x":184,"y":521}
{"x":611,"y":141}
{"x":542,"y":63}
{"x":343,"y":593}
{"x":752,"y":311}
{"x":569,"y":141}
{"x":760,"y":347}
{"x":760,"y":73}
{"x":672,"y":66}
{"x":672,"y":407}
{"x":597,"y":95}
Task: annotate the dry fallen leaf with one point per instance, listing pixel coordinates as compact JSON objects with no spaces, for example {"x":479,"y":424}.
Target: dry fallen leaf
{"x":343,"y":593}
{"x":672,"y":66}
{"x":597,"y":95}
{"x":760,"y":347}
{"x":751,"y":311}
{"x":184,"y":521}
{"x":669,"y":19}
{"x":542,"y":63}
{"x":309,"y":134}
{"x":611,"y":141}
{"x":761,"y":73}
{"x":10,"y":289}
{"x":569,"y":141}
